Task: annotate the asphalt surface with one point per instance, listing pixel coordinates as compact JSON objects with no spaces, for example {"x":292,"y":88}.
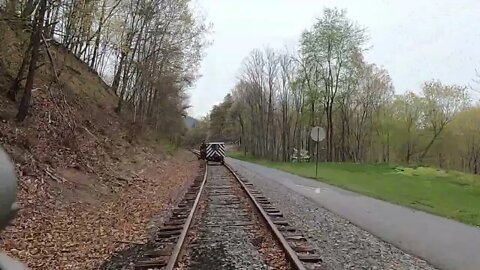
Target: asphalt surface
{"x":444,"y":243}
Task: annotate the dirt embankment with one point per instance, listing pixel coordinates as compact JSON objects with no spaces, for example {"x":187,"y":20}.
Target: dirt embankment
{"x":89,"y":181}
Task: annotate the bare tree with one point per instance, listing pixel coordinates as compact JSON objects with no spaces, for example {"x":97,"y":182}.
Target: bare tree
{"x":35,"y":41}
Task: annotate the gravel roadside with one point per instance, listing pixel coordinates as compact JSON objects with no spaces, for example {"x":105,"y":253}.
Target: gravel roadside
{"x":342,"y":244}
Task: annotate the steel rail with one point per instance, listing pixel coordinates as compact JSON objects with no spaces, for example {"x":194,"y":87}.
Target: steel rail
{"x":291,"y":254}
{"x":172,"y":261}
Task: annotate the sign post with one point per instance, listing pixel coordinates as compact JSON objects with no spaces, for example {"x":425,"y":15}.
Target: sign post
{"x":317,"y":134}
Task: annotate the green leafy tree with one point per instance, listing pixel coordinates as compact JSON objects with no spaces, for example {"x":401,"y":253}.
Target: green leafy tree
{"x":327,"y":50}
{"x":441,"y":104}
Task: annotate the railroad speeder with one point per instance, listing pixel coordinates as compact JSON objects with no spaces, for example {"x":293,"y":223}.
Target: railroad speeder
{"x":213,"y":151}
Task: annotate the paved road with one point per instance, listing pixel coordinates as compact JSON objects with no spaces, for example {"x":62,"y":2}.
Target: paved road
{"x":444,"y":243}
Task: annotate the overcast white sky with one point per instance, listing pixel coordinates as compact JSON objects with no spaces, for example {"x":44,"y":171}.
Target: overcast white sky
{"x":415,"y":40}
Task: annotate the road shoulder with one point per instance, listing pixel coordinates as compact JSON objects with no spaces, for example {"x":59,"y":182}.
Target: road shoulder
{"x":445,"y":243}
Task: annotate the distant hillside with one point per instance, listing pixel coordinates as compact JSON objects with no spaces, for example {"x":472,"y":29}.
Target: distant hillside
{"x":190,"y":122}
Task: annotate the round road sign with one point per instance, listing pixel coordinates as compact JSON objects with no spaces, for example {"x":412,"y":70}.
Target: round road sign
{"x":317,"y":134}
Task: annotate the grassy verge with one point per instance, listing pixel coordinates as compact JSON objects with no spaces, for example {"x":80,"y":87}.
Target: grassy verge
{"x":450,"y":194}
{"x":168,"y":146}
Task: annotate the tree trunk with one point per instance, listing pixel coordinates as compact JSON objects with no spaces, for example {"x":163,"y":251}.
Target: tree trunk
{"x":98,"y":34}
{"x":118,"y":73}
{"x":407,"y":158}
{"x":53,"y":23}
{"x":330,"y":144}
{"x":12,"y":6}
{"x":342,"y":143}
{"x":12,"y":93}
{"x":35,"y":40}
{"x":309,"y":145}
{"x":388,"y":148}
{"x":121,"y":98}
{"x":425,"y":152}
{"x":29,"y":8}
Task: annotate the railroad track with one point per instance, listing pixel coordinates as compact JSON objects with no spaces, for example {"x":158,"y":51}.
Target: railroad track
{"x":221,"y":212}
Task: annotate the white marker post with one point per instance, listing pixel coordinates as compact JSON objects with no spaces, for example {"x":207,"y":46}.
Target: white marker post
{"x":317,"y":134}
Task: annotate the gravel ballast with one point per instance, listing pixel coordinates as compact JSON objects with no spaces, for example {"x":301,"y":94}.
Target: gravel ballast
{"x":226,"y":233}
{"x":341,"y":244}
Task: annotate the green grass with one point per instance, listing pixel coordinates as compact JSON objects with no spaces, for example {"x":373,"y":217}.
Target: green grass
{"x":450,"y":194}
{"x":169,"y":146}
